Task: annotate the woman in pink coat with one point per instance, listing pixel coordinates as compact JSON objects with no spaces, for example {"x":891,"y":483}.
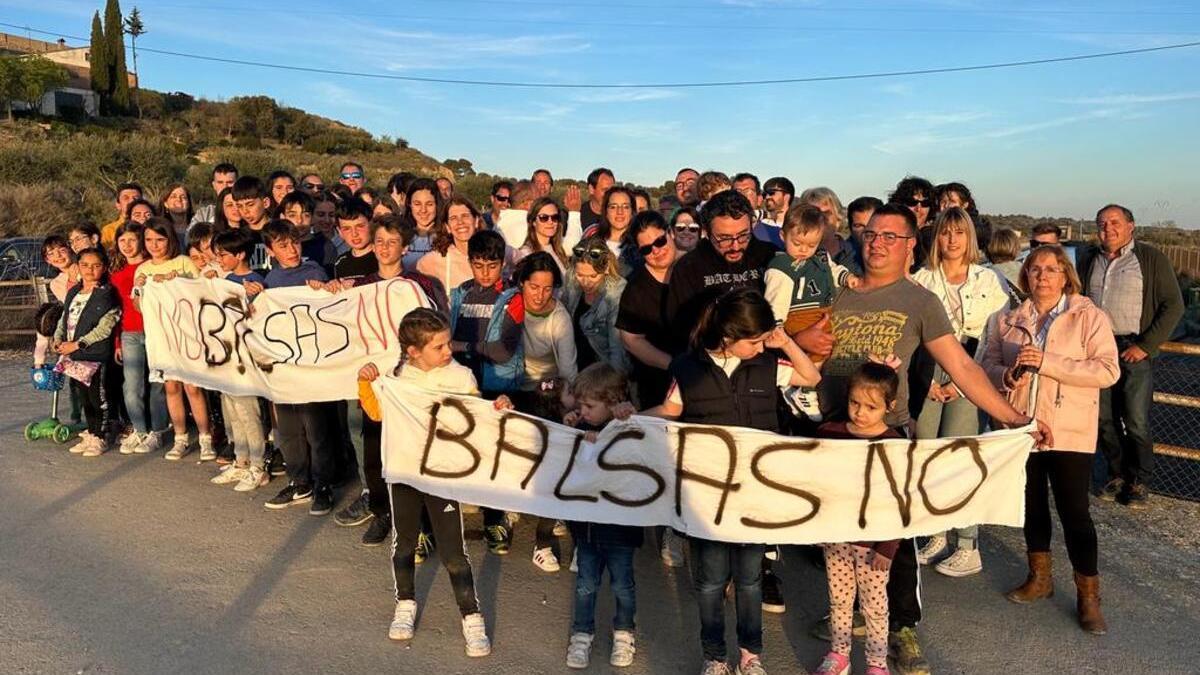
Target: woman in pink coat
{"x":1051,"y":356}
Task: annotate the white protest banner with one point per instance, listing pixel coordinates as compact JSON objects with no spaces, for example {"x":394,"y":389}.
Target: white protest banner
{"x":298,"y":346}
{"x":722,"y":483}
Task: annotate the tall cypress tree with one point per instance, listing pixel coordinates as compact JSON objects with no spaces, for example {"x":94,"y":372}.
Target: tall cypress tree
{"x":101,"y":80}
{"x":114,"y":36}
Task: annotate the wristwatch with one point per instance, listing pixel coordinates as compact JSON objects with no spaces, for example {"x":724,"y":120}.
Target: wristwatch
{"x":82,"y":344}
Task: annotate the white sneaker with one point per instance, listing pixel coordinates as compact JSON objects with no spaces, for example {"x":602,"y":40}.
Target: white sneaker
{"x":151,"y":442}
{"x":932,"y":549}
{"x":255,"y":477}
{"x":404,"y":620}
{"x":179,"y":449}
{"x":130,"y":443}
{"x":545,"y":559}
{"x":207,"y":452}
{"x":475,"y":633}
{"x":85,"y":441}
{"x":672,"y":548}
{"x":230,"y":474}
{"x":961,"y":563}
{"x":96,"y":448}
{"x":804,"y":402}
{"x":579,"y":651}
{"x":623,"y":649}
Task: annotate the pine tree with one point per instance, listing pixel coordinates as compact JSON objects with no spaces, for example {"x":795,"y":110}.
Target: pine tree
{"x":114,"y":36}
{"x":135,"y":28}
{"x":101,"y":80}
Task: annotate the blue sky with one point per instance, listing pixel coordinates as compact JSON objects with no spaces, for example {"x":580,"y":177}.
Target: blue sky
{"x":1058,"y":139}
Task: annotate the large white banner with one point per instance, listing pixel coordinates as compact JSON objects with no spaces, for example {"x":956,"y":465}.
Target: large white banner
{"x":297,"y":346}
{"x":721,"y":483}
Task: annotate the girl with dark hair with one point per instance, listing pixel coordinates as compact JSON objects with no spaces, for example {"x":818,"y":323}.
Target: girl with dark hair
{"x":547,"y":222}
{"x":176,"y":205}
{"x":424,"y":202}
{"x":83,"y":236}
{"x":227,"y":215}
{"x":919,"y":196}
{"x":726,"y":378}
{"x":457,"y":221}
{"x":617,"y":211}
{"x":279,"y":184}
{"x":84,"y":340}
{"x":58,"y":254}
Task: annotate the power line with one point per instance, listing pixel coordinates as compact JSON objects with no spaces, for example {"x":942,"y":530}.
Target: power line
{"x":643,"y":85}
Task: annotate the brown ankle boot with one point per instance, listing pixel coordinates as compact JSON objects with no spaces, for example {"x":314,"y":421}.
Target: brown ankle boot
{"x":1088,"y":604}
{"x":1039,"y":584}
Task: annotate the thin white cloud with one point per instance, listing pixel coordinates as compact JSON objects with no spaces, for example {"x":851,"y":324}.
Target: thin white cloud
{"x":428,"y":50}
{"x":536,"y":113}
{"x":898,"y":89}
{"x":339,"y":97}
{"x":916,"y":142}
{"x":941,"y":119}
{"x":636,"y":130}
{"x":630,"y":95}
{"x":1132,"y":99}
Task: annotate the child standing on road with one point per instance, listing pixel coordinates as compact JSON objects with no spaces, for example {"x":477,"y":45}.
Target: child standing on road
{"x":725,"y":378}
{"x":598,"y":390}
{"x":427,"y":362}
{"x":861,"y":568}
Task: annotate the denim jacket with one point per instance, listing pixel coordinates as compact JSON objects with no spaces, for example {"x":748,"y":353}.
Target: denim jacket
{"x":599,"y":323}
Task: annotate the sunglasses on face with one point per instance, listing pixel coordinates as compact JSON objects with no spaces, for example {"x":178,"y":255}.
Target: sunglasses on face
{"x":313,"y":186}
{"x":593,"y":254}
{"x":501,"y":198}
{"x":923,"y":203}
{"x":548,"y":217}
{"x":352,"y":175}
{"x":770,"y":191}
{"x":649,"y":248}
{"x":690,"y":228}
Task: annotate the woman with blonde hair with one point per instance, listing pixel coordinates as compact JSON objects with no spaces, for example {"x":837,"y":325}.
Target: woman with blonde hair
{"x":593,"y":297}
{"x":970,"y":294}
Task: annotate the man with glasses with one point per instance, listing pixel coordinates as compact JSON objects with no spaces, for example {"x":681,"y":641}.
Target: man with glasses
{"x":598,"y":181}
{"x":729,"y":258}
{"x":223,"y":176}
{"x":1135,"y":285}
{"x":312,"y":184}
{"x":501,"y":199}
{"x":1047,"y":234}
{"x":777,"y":199}
{"x":353,"y":177}
{"x":123,"y":196}
{"x":886,"y":318}
{"x":684,"y":193}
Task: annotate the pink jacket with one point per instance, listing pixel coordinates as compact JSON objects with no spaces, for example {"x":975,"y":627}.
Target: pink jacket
{"x":1080,"y":358}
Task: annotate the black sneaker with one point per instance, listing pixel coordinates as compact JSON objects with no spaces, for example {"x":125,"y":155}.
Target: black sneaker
{"x":1111,"y":489}
{"x":772,"y":594}
{"x":292,"y":494}
{"x":378,"y":531}
{"x":822,"y":631}
{"x":355,"y":514}
{"x":498,"y":538}
{"x":322,"y":502}
{"x":275,"y":464}
{"x":1135,"y":496}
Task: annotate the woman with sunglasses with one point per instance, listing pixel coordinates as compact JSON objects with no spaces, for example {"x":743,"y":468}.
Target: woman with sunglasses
{"x":547,"y":220}
{"x":919,"y":196}
{"x":685,"y":228}
{"x":593,"y":296}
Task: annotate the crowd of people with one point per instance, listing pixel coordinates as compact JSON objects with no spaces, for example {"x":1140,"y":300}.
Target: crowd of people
{"x":732,"y":301}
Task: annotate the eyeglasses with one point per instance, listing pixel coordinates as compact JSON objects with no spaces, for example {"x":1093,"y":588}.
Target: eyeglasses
{"x":1044,"y":271}
{"x":923,"y":203}
{"x":687,"y":227}
{"x":549,"y":217}
{"x":649,"y":248}
{"x":727,"y":239}
{"x":592,"y":254}
{"x":1034,"y":243}
{"x":79,"y":238}
{"x":313,"y":186}
{"x":352,"y":175}
{"x":502,"y":198}
{"x":888,"y":238}
{"x":770,"y":191}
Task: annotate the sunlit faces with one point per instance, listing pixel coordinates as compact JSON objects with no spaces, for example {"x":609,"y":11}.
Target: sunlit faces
{"x":125,"y":198}
{"x":952,"y":243}
{"x":80,"y":240}
{"x":660,"y":257}
{"x":746,"y":348}
{"x":286,"y":250}
{"x":547,"y":222}
{"x":462,"y":223}
{"x":59,"y":257}
{"x":229,"y":207}
{"x":538,"y":292}
{"x":920,"y":205}
{"x":594,"y":411}
{"x":603,"y":184}
{"x":1114,"y":228}
{"x":730,"y":236}
{"x":141,"y":213}
{"x":128,"y":245}
{"x":157,"y":245}
{"x":423,"y":209}
{"x":91,"y":268}
{"x":312,"y":184}
{"x":299,"y":216}
{"x":776,"y":200}
{"x":951,"y":199}
{"x":323,"y":217}
{"x":281,"y":186}
{"x":619,"y":212}
{"x":352,"y":177}
{"x":590,"y":279}
{"x":445,"y":188}
{"x":177,"y":201}
{"x":858,"y":223}
{"x":542,"y":184}
{"x":356,"y":233}
{"x":1043,"y":239}
{"x":686,"y":231}
{"x":228,"y":261}
{"x":828,"y":211}
{"x":486,"y":272}
{"x":887,"y":242}
{"x":253,"y":209}
{"x":222,"y":180}
{"x":685,"y":186}
{"x":1045,"y":277}
{"x":433,"y":354}
{"x":201,"y":255}
{"x":501,"y":199}
{"x":388,"y":246}
{"x":801,"y":245}
{"x":867,"y":407}
{"x":749,"y":190}
{"x":640,"y":203}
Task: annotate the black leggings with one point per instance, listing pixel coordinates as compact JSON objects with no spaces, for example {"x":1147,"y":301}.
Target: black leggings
{"x":1068,"y":476}
{"x":97,"y":409}
{"x":446,"y":519}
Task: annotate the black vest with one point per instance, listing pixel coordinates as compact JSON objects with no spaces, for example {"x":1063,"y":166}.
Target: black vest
{"x":748,"y":399}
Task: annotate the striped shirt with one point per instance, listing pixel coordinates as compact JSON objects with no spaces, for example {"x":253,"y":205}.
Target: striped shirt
{"x":1116,"y":287}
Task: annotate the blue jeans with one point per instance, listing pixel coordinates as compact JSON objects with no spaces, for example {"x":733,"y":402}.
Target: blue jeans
{"x":133,"y":357}
{"x":1125,"y":436}
{"x":959,"y":417}
{"x":714,"y":564}
{"x":592,"y":559}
